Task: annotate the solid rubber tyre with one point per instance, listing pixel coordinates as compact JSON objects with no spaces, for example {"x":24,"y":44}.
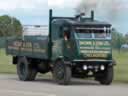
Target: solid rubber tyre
{"x":62,"y":73}
{"x":25,"y":70}
{"x":107,"y":76}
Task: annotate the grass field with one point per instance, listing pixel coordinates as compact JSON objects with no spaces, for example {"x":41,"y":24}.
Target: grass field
{"x":121,"y":69}
{"x":6,"y":64}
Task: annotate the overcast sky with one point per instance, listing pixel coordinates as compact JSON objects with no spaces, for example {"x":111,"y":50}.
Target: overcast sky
{"x":33,"y":11}
{"x":36,"y":11}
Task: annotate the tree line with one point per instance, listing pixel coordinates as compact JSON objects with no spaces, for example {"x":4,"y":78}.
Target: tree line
{"x":118,"y":39}
{"x":10,"y":26}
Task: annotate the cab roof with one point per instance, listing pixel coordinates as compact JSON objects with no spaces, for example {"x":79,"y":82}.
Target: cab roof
{"x":82,"y":22}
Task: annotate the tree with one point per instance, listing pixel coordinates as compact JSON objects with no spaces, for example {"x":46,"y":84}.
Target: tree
{"x":10,"y":26}
{"x":126,"y":38}
{"x":117,"y":39}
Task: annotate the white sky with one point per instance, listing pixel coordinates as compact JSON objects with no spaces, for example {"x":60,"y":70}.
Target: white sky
{"x":63,"y":3}
{"x":9,"y":5}
{"x":33,"y":5}
{"x":33,"y":9}
{"x":36,"y":11}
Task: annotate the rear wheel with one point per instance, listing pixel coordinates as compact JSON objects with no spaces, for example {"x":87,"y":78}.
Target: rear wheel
{"x":62,"y":73}
{"x":25,"y":70}
{"x":106,"y":76}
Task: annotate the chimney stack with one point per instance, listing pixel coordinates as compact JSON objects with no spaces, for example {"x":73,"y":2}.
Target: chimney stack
{"x":92,"y":15}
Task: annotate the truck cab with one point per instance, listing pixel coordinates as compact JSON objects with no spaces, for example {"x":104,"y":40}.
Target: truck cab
{"x":84,"y":45}
{"x":82,"y":42}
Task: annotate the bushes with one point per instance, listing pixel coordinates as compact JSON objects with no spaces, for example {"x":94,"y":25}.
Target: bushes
{"x":2,"y":42}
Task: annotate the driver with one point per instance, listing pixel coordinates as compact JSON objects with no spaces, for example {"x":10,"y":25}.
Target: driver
{"x":66,"y":34}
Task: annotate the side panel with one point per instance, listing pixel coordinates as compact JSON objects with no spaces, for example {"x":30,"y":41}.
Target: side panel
{"x":70,"y":50}
{"x":57,"y":49}
{"x":34,"y":49}
{"x":64,"y":49}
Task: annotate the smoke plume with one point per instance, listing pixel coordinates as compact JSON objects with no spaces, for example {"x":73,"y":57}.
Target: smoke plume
{"x":110,"y":9}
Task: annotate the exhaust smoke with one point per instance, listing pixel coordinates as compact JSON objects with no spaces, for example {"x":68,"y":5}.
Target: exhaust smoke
{"x":110,"y":9}
{"x":113,"y":11}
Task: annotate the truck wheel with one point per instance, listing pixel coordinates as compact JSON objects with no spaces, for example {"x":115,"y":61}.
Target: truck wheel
{"x":62,"y":73}
{"x":25,"y":70}
{"x":107,"y":76}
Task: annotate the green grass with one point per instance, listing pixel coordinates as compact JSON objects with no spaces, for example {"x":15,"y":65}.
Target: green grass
{"x":121,"y":69}
{"x":6,"y":66}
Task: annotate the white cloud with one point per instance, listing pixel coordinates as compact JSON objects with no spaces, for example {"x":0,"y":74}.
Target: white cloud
{"x":63,"y":3}
{"x":9,"y":5}
{"x":55,"y":3}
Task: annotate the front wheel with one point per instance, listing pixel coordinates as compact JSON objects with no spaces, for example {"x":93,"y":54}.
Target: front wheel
{"x":107,"y":76}
{"x":62,"y":73}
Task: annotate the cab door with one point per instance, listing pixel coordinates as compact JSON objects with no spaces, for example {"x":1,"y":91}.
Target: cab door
{"x":68,"y":49}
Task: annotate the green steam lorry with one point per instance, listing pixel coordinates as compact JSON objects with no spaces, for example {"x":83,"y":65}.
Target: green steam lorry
{"x":77,"y":47}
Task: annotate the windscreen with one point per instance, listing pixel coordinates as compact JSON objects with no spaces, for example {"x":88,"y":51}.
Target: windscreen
{"x":94,"y":33}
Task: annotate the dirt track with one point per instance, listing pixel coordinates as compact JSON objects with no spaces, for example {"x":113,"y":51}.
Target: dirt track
{"x":11,"y":86}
